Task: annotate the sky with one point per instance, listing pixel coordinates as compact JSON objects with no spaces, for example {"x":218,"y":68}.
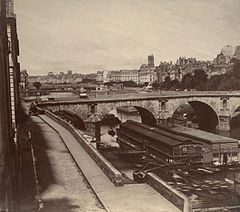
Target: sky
{"x":87,"y":36}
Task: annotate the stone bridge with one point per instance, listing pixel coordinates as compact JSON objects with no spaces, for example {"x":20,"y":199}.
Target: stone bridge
{"x":212,"y":110}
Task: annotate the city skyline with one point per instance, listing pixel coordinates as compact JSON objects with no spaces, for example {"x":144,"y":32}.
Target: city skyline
{"x":87,"y":36}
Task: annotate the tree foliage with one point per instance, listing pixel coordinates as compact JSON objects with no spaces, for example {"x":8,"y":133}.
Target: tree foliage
{"x":214,"y":82}
{"x":37,"y":85}
{"x":169,"y":84}
{"x":199,"y":79}
{"x":231,"y":80}
{"x":187,"y":82}
{"x":130,"y":84}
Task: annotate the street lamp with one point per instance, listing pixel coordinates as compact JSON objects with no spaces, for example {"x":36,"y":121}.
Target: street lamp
{"x":93,"y":127}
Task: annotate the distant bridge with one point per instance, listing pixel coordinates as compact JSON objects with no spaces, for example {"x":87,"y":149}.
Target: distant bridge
{"x":212,"y":110}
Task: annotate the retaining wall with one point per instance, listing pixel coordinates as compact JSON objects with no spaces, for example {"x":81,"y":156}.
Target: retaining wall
{"x":111,"y":172}
{"x":177,"y":198}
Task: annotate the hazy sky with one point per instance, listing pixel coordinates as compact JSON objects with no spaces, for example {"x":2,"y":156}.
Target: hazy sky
{"x":90,"y":35}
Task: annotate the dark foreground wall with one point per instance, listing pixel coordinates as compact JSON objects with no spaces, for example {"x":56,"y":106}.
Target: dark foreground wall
{"x":171,"y":194}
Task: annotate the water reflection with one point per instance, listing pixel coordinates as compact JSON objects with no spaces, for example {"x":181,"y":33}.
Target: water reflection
{"x":123,"y":116}
{"x":234,"y":133}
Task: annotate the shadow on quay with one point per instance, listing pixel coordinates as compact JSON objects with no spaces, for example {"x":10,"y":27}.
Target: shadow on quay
{"x":38,"y":179}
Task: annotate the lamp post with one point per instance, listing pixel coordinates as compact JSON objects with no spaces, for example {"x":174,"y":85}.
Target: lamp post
{"x":93,"y":127}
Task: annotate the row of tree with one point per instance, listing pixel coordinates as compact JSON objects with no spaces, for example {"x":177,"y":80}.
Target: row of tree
{"x":198,"y":80}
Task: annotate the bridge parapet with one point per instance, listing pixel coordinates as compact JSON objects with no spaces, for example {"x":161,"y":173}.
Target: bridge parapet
{"x":220,"y":107}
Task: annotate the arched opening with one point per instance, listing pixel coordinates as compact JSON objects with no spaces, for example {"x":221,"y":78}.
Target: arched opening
{"x":206,"y":117}
{"x":163,"y":105}
{"x":134,"y":113}
{"x":225,"y":103}
{"x":121,"y":114}
{"x":235,"y":120}
{"x":72,"y":118}
{"x":184,"y":113}
{"x":200,"y":115}
{"x":146,"y":116}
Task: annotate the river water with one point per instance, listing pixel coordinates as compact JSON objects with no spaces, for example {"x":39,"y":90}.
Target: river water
{"x":234,"y":133}
{"x":123,"y":116}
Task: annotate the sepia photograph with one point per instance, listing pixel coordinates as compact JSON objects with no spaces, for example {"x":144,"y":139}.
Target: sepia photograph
{"x":120,"y":105}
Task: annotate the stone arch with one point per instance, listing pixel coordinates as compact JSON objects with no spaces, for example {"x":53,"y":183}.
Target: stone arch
{"x":206,"y":115}
{"x":147,"y":116}
{"x":235,"y":119}
{"x":71,"y":117}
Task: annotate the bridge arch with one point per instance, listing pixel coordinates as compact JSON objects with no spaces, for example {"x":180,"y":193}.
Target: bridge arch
{"x":147,"y":116}
{"x":71,"y":117}
{"x":206,"y":115}
{"x":235,"y":119}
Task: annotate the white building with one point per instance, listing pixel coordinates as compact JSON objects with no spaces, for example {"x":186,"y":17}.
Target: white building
{"x":100,"y":76}
{"x":147,"y":76}
{"x":129,"y":75}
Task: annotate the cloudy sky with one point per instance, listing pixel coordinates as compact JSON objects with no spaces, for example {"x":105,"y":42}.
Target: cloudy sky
{"x":90,"y":35}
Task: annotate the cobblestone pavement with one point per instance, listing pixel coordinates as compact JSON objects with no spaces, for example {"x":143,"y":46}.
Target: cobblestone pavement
{"x":61,"y":185}
{"x":127,"y":198}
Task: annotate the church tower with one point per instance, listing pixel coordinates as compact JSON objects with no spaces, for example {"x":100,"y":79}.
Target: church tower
{"x":151,"y":61}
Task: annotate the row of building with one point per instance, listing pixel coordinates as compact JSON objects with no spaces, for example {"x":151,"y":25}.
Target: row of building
{"x":148,"y":73}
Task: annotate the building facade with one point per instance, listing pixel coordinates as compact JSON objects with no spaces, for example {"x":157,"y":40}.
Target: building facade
{"x":129,"y":75}
{"x":148,"y":76}
{"x":100,"y":76}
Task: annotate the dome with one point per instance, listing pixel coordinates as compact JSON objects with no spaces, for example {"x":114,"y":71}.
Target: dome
{"x":227,"y":50}
{"x":237,"y":52}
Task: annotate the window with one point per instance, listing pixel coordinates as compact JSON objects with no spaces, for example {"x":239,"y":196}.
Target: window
{"x":92,"y":108}
{"x":198,"y":149}
{"x":224,"y":103}
{"x":176,"y":151}
{"x":191,"y":150}
{"x":163,"y":105}
{"x":184,"y":150}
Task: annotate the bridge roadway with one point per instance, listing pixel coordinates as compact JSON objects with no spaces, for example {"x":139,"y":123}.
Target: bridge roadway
{"x":143,"y":96}
{"x":213,"y":109}
{"x":130,"y":197}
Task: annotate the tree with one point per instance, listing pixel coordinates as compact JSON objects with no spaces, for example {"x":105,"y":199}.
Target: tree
{"x":199,"y":79}
{"x":145,"y":84}
{"x":236,"y":69}
{"x":37,"y":85}
{"x":130,"y":84}
{"x":231,"y":79}
{"x":167,"y":83}
{"x":187,"y":81}
{"x":156,"y":85}
{"x":174,"y":84}
{"x":213,"y":83}
{"x":108,"y":83}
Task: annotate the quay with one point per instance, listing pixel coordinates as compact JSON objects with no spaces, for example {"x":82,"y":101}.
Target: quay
{"x":125,"y":196}
{"x":60,"y":187}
